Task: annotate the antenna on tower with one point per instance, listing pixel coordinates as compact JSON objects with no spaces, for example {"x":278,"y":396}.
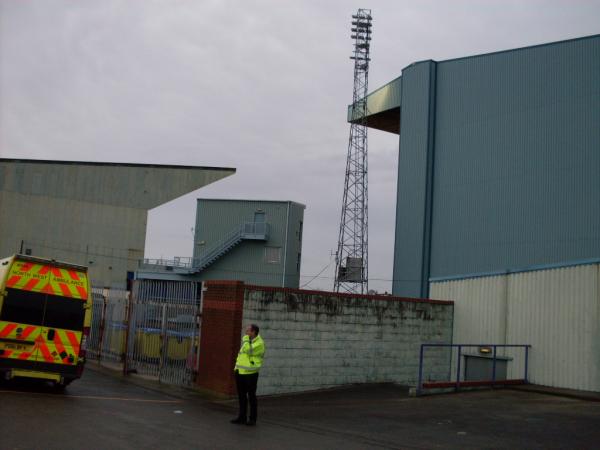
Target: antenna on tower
{"x":351,"y":259}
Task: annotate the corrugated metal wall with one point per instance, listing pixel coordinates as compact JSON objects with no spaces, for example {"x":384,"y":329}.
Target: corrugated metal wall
{"x":294,"y":246}
{"x":92,"y":214}
{"x":516,"y":163}
{"x":557,"y":311}
{"x":409,"y":257}
{"x":517,"y":159}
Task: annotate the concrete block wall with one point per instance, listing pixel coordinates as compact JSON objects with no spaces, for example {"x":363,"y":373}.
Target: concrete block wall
{"x":317,"y":340}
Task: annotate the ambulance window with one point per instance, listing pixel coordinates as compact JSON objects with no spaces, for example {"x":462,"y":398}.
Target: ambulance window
{"x":24,"y":307}
{"x":64,"y":313}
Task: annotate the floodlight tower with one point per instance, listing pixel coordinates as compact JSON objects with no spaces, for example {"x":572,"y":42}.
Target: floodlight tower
{"x":351,"y":259}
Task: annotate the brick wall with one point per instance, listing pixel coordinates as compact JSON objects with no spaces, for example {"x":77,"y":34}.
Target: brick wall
{"x":317,"y":339}
{"x":220,"y":335}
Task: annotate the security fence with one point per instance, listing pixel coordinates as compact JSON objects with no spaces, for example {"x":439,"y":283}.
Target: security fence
{"x":109,"y":325}
{"x":153,"y":330}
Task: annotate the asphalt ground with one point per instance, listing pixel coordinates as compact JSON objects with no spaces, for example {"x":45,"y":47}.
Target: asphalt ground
{"x":106,"y":411}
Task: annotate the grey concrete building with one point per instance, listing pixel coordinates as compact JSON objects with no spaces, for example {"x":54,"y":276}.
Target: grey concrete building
{"x":89,"y":213}
{"x":255,"y":241}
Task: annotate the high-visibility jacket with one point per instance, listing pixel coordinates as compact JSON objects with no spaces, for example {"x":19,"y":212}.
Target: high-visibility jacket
{"x":250,"y":357}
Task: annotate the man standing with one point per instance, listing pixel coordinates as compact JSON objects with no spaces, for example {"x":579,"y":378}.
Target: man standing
{"x":247,"y":365}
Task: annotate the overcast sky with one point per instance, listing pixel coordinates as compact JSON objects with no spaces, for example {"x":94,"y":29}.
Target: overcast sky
{"x":261,"y":86}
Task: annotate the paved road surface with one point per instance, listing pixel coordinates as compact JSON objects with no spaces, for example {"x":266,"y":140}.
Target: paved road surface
{"x":104,"y":411}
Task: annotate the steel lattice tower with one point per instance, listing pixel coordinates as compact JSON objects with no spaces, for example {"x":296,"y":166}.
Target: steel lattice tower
{"x":351,"y":260}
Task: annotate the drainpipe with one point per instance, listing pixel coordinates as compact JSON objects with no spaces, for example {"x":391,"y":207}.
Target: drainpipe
{"x":287,"y":227}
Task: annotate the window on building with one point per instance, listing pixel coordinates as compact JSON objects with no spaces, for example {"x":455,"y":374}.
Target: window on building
{"x":272,"y":255}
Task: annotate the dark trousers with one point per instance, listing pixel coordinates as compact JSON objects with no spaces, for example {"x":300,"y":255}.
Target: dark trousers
{"x":246,"y":388}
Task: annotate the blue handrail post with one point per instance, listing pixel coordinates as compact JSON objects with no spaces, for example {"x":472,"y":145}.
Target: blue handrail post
{"x":526,"y":364}
{"x":494,"y":368}
{"x":419,"y":386}
{"x":458,"y":367}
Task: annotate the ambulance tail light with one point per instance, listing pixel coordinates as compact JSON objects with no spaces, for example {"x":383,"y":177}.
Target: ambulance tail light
{"x":84,"y":339}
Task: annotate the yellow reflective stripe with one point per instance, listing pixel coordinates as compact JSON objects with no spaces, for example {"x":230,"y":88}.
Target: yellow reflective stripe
{"x":48,"y":279}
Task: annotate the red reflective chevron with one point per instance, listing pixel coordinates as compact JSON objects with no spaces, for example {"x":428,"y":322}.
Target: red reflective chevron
{"x":74,"y":342}
{"x":61,"y":348}
{"x":65,"y":290}
{"x":25,"y":334}
{"x":48,"y":289}
{"x":73,"y":275}
{"x":7,"y":329}
{"x":82,"y":292}
{"x":13,"y":280}
{"x":26,"y":267}
{"x":31,"y":284}
{"x":26,"y":355}
{"x":41,"y":344}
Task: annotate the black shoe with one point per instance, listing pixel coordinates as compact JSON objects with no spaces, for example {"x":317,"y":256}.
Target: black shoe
{"x":251,"y":423}
{"x":238,"y":421}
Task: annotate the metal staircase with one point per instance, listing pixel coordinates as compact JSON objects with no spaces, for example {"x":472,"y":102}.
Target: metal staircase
{"x":255,"y":231}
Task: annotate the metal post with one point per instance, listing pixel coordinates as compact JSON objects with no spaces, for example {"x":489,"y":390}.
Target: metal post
{"x":458,"y":367}
{"x":494,"y":367}
{"x":163,"y":341}
{"x":198,"y":328}
{"x":102,"y":326}
{"x":128,"y":309}
{"x":419,"y":386}
{"x":526,"y":363}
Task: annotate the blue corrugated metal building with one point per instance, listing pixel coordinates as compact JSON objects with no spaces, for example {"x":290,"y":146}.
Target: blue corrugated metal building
{"x":499,"y":163}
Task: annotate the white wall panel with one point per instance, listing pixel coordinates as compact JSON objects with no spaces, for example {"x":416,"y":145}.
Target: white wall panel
{"x":480,"y":304}
{"x":557,"y":311}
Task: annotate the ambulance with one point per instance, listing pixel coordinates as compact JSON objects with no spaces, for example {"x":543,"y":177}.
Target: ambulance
{"x":45,"y":316}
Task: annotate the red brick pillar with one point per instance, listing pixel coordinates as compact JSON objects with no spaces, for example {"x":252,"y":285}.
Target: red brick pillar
{"x":222,"y":308}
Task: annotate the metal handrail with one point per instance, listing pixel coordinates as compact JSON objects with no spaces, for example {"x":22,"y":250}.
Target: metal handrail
{"x":229,"y":239}
{"x":458,"y":362}
{"x":246,"y":230}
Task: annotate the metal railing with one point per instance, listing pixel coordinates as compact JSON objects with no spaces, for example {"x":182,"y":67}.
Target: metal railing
{"x":484,"y":350}
{"x":109,"y":322}
{"x":246,"y":231}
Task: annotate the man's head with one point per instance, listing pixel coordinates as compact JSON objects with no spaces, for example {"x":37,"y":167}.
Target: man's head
{"x":252,"y":330}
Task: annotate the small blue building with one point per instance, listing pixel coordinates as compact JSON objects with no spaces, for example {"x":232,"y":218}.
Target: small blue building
{"x":255,"y":241}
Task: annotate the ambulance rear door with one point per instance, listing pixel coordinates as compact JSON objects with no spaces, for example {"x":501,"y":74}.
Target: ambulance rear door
{"x":64,"y":314}
{"x":22,"y":313}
